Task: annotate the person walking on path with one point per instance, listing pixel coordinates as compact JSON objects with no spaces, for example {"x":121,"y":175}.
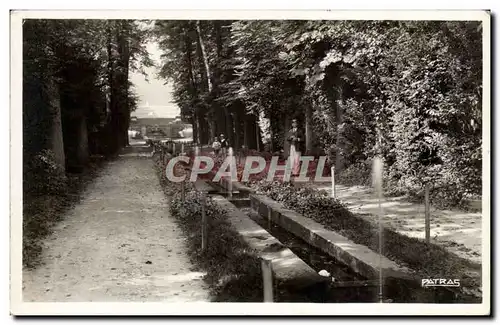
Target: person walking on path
{"x":224,"y":144}
{"x":216,"y":145}
{"x":295,"y":138}
{"x":167,"y":156}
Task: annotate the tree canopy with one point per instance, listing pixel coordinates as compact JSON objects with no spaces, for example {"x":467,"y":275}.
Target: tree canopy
{"x":410,"y":91}
{"x":77,"y":96}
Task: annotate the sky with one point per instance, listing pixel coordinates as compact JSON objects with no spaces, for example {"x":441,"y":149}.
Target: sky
{"x":155,"y":97}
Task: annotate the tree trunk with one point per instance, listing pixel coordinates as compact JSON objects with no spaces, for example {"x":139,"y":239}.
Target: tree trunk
{"x":76,"y":143}
{"x":206,"y":128}
{"x":309,"y":132}
{"x":258,"y":136}
{"x":111,"y":130}
{"x":201,"y":129}
{"x":245,"y":131}
{"x":122,"y":108}
{"x":237,"y":130}
{"x":194,"y":91}
{"x":82,"y":152}
{"x":333,"y":89}
{"x":339,"y":161}
{"x":249,"y":131}
{"x":211,"y":125}
{"x":221,"y":120}
{"x":252,"y":132}
{"x":194,"y":122}
{"x":189,"y":61}
{"x":204,"y":56}
{"x":272,"y":126}
{"x":286,"y":144}
{"x":271,"y":135}
{"x":229,"y":126}
{"x":126,"y":55}
{"x":56,"y":141}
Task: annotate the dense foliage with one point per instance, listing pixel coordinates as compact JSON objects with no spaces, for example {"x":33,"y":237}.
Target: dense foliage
{"x":410,"y":91}
{"x":77,"y":97}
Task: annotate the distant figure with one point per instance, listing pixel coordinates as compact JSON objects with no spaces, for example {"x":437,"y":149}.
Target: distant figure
{"x":132,"y":134}
{"x":168,"y":155}
{"x":295,"y":137}
{"x":224,"y":144}
{"x":187,"y":132}
{"x":216,"y":145}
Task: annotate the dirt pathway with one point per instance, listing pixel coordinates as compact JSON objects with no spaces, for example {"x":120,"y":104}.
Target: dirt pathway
{"x":118,"y":244}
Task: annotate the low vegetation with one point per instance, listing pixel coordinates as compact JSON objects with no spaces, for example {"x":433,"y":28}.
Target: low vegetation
{"x":428,"y":260}
{"x":233,"y":270}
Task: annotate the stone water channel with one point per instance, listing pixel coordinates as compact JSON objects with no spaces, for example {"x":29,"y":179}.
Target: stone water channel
{"x":347,"y":286}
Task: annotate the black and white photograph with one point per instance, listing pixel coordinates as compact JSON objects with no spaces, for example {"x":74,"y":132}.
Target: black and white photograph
{"x":314,"y":162}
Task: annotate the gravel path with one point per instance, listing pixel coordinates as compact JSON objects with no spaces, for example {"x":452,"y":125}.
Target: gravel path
{"x":118,"y":244}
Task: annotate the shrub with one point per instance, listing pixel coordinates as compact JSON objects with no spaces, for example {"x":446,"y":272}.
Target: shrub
{"x":43,"y":175}
{"x":358,"y":173}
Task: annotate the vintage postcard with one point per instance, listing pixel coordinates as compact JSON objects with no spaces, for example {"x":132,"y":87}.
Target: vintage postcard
{"x":250,"y":162}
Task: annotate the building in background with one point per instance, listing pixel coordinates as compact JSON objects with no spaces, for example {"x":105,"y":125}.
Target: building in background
{"x":164,"y":126}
